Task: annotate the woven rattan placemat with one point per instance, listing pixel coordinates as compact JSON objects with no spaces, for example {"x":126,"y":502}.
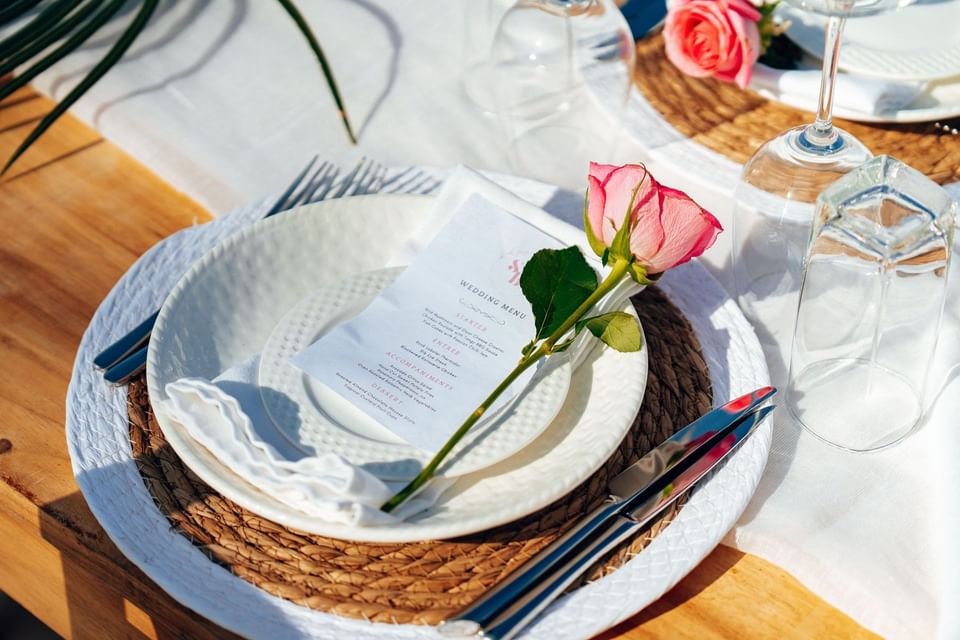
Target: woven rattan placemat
{"x":734,"y":122}
{"x":422,"y":582}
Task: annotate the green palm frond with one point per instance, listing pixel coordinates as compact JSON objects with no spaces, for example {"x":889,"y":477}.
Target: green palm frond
{"x":50,"y":15}
{"x":44,"y":40}
{"x":322,"y":59}
{"x":73,"y":42}
{"x":76,"y":21}
{"x":115,"y":53}
{"x":16,"y":9}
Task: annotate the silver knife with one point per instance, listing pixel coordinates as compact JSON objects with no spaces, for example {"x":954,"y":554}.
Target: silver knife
{"x":638,"y":495}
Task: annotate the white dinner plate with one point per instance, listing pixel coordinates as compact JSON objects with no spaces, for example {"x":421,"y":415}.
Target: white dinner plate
{"x":227,"y":305}
{"x":918,"y":42}
{"x":316,"y":419}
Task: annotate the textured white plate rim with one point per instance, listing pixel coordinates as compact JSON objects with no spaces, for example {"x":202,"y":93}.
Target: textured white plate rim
{"x":275,"y":367}
{"x":902,"y":116}
{"x":99,"y":447}
{"x":866,"y":59}
{"x":535,"y":496}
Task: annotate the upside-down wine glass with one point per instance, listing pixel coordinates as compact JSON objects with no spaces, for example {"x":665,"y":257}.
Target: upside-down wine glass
{"x":777,"y":191}
{"x":562,"y":72}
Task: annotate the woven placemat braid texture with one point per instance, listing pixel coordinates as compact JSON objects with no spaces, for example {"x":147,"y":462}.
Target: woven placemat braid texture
{"x":734,"y":122}
{"x":421,"y":582}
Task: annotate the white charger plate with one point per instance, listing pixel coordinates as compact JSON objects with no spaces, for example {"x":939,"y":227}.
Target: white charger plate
{"x":918,"y":42}
{"x":226,"y":306}
{"x":97,"y":433}
{"x":316,"y":419}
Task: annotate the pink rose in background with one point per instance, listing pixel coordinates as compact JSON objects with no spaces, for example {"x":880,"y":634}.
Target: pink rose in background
{"x":668,"y":228}
{"x":718,"y":38}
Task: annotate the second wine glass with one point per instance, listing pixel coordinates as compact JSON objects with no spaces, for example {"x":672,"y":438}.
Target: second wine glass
{"x":777,"y":190}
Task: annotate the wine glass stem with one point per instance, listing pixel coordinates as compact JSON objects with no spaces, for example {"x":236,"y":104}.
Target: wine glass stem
{"x":821,"y":133}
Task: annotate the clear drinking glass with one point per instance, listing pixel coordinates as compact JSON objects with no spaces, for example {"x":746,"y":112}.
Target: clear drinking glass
{"x":777,"y":190}
{"x":872,"y":296}
{"x":563,"y":71}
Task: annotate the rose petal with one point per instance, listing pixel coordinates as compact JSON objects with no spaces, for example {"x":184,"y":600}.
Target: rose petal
{"x":596,"y":199}
{"x":688,"y":230}
{"x":600,"y":171}
{"x":618,"y":189}
{"x":745,"y":9}
{"x":647,"y":235}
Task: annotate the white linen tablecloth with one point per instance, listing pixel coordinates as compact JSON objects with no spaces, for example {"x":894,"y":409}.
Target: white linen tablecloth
{"x":225,"y":101}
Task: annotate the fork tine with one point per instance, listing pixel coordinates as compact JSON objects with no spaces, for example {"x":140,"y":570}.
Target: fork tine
{"x":360,"y":180}
{"x":365,"y":183}
{"x":316,"y":181}
{"x":395,"y":178}
{"x":330,"y":181}
{"x":376,"y":184}
{"x":404,"y":186}
{"x":349,"y":178}
{"x":279,"y":205}
{"x":325,"y":182}
{"x":301,"y":195}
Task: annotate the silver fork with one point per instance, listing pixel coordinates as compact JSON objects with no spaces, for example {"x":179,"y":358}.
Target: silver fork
{"x":321,"y":185}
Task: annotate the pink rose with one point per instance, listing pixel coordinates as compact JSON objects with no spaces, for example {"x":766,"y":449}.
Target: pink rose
{"x":718,"y":38}
{"x":667,"y":227}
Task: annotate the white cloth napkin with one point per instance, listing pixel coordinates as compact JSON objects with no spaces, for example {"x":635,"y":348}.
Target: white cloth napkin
{"x":222,"y":414}
{"x":872,"y":96}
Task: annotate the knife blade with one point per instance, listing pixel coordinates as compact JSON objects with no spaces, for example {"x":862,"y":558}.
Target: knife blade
{"x":524,"y":610}
{"x":642,"y":486}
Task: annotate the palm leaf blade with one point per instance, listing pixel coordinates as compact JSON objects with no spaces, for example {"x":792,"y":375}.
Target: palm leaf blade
{"x":46,"y":19}
{"x":52,"y":35}
{"x":301,"y":23}
{"x":16,"y":9}
{"x":113,"y":55}
{"x":77,"y":39}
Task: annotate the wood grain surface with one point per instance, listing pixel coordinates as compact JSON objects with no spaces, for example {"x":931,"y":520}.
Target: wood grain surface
{"x":75,"y":213}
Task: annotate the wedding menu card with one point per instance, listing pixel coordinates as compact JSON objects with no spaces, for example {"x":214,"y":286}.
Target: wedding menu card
{"x":427,"y":351}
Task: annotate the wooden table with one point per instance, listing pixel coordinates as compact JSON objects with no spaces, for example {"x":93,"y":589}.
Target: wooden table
{"x":75,"y":213}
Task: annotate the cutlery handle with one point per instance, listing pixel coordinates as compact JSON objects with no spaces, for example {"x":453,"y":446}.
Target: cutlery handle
{"x":135,"y":339}
{"x":121,"y":372}
{"x":476,"y":617}
{"x":514,"y":619}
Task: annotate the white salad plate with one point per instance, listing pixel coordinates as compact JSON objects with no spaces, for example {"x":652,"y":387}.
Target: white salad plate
{"x":227,"y":305}
{"x":919,"y":42}
{"x":316,"y":419}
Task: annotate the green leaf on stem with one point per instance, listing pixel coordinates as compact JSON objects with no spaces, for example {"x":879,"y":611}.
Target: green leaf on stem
{"x":617,"y":329}
{"x":556,"y":282}
{"x":595,"y":243}
{"x":639,"y":274}
{"x":620,"y":247}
